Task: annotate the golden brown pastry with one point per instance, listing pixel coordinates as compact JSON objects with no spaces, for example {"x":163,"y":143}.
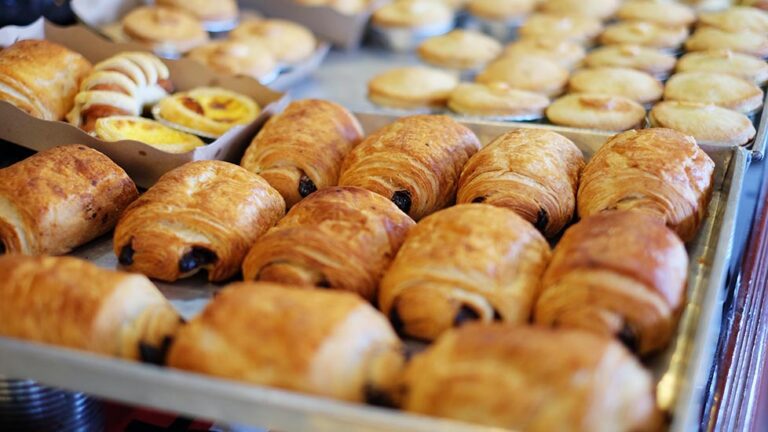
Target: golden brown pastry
{"x":164,"y":28}
{"x":530,"y":72}
{"x":149,"y":132}
{"x":725,"y":61}
{"x":412,"y":87}
{"x":202,"y":215}
{"x":533,"y":172}
{"x":415,"y":162}
{"x":565,"y":52}
{"x":289,"y":42}
{"x":301,"y":150}
{"x":248,"y":57}
{"x":120,"y":85}
{"x":617,"y":273}
{"x":339,"y":237}
{"x":596,"y":111}
{"x":460,"y":49}
{"x":657,"y":171}
{"x":59,"y":199}
{"x":497,"y":100}
{"x":599,"y":9}
{"x":620,"y":81}
{"x":205,"y":10}
{"x":708,"y":124}
{"x":465,"y":263}
{"x":652,"y":61}
{"x":41,"y":78}
{"x":711,"y":38}
{"x":532,"y":379}
{"x":725,"y":90}
{"x":327,"y":343}
{"x":577,"y":28}
{"x":72,"y":303}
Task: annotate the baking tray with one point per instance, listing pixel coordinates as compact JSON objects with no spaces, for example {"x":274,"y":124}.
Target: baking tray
{"x":681,"y":371}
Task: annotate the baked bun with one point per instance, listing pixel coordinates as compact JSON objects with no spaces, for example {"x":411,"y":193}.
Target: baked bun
{"x":205,"y":10}
{"x":164,"y":28}
{"x":596,"y":111}
{"x":630,"y":83}
{"x":288,"y":41}
{"x":656,"y":171}
{"x":301,"y":150}
{"x":708,"y":124}
{"x":202,"y":215}
{"x":59,"y":199}
{"x":207,"y":111}
{"x":724,"y":90}
{"x":415,"y":162}
{"x":617,"y":273}
{"x":532,"y":172}
{"x":338,"y":237}
{"x":41,"y":78}
{"x":72,"y":303}
{"x":247,"y":57}
{"x":497,"y":100}
{"x":465,"y":263}
{"x":412,"y":87}
{"x":150,"y":132}
{"x":531,"y":73}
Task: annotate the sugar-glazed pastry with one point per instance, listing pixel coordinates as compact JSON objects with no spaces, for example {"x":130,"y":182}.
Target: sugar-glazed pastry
{"x":415,"y":161}
{"x":617,"y":273}
{"x":710,"y":38}
{"x":501,"y":10}
{"x":460,"y":49}
{"x":533,"y":172}
{"x":72,"y":303}
{"x":737,"y":19}
{"x":497,"y":100}
{"x":600,"y":9}
{"x":532,"y":73}
{"x":649,"y":60}
{"x":120,"y":85}
{"x":164,"y":28}
{"x":325,"y":343}
{"x":205,"y":10}
{"x":150,"y":132}
{"x":412,"y":87}
{"x":572,"y":27}
{"x":207,"y":111}
{"x":596,"y":111}
{"x":727,"y":91}
{"x":533,"y":379}
{"x":644,"y":34}
{"x":708,"y":124}
{"x":289,"y":42}
{"x":465,"y":263}
{"x":41,"y":78}
{"x":301,"y":150}
{"x":339,"y":237}
{"x":633,"y":84}
{"x":248,"y":57}
{"x":666,"y":13}
{"x":658,"y":171}
{"x":566,"y":52}
{"x":725,"y":61}
{"x":59,"y":199}
{"x":202,"y":215}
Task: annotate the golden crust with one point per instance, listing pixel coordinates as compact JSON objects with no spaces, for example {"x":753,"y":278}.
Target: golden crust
{"x":415,"y":161}
{"x":572,"y":27}
{"x":617,"y":273}
{"x":161,"y":26}
{"x":496,"y":100}
{"x":149,"y":132}
{"x":288,"y":41}
{"x":302,"y":149}
{"x":205,"y":10}
{"x":596,"y":111}
{"x":649,"y":60}
{"x":41,"y":77}
{"x":72,"y":303}
{"x":644,"y":34}
{"x":412,"y":13}
{"x":657,"y":171}
{"x":599,"y":9}
{"x":630,"y":83}
{"x":467,"y":262}
{"x":566,"y":52}
{"x":204,"y":214}
{"x":249,"y":57}
{"x":533,"y":172}
{"x":327,"y":343}
{"x":59,"y":199}
{"x":727,"y":91}
{"x":736,"y":19}
{"x":710,"y":38}
{"x":531,"y":73}
{"x":460,"y":49}
{"x":412,"y":87}
{"x":725,"y":61}
{"x":501,"y":9}
{"x":211,"y":111}
{"x":708,"y":124}
{"x":533,"y":379}
{"x":670,"y":14}
{"x":339,"y":237}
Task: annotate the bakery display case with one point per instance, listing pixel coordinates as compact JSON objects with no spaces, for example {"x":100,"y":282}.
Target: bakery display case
{"x":411,"y":215}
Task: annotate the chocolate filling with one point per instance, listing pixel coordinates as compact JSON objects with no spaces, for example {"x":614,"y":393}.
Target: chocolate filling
{"x":155,"y":355}
{"x":306,"y":186}
{"x":126,"y":255}
{"x":480,"y":199}
{"x":542,"y":220}
{"x":197,"y":257}
{"x":397,"y":321}
{"x":497,"y":316}
{"x":377,"y":397}
{"x":402,"y":200}
{"x":464,"y":315}
{"x":628,"y":336}
{"x":3,"y":250}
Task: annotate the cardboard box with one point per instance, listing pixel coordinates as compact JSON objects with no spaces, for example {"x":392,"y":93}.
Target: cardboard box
{"x":145,"y":164}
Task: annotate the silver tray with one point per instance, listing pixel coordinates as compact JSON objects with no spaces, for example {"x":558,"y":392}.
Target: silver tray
{"x":681,"y":371}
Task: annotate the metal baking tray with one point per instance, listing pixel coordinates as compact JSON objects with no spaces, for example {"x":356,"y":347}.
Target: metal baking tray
{"x":681,"y":371}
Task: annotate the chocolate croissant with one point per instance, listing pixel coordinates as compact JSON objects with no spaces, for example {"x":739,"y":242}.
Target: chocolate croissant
{"x":339,"y":237}
{"x":321,"y":342}
{"x":202,"y":215}
{"x":415,"y":162}
{"x":69,"y":302}
{"x":658,"y":171}
{"x":533,"y":172}
{"x":59,"y":199}
{"x":301,"y":150}
{"x":617,"y":273}
{"x":531,"y":379}
{"x":464,"y":263}
{"x":120,"y":85}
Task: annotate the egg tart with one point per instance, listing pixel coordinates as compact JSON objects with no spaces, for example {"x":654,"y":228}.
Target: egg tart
{"x":150,"y":132}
